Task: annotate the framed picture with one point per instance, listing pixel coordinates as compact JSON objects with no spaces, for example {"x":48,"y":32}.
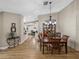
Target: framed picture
{"x":13,"y":27}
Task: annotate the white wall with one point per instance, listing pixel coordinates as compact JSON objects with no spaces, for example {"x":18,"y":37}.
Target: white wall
{"x":5,"y":23}
{"x":67,"y":23}
{"x":9,"y":18}
{"x":1,"y":26}
{"x":77,"y":23}
{"x":23,"y":36}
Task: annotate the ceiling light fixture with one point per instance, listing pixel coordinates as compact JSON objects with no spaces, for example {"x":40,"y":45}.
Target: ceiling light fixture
{"x":50,"y":17}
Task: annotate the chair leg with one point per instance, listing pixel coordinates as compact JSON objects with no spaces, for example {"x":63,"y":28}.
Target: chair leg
{"x":59,"y":50}
{"x":66,"y":48}
{"x":43,"y":48}
{"x":40,"y":46}
{"x":52,"y":50}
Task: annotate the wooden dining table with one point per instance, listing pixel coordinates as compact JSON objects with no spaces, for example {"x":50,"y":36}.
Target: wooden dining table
{"x":47,"y":41}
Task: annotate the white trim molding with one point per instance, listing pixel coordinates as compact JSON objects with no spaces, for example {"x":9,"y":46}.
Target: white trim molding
{"x":4,"y":48}
{"x":24,"y":38}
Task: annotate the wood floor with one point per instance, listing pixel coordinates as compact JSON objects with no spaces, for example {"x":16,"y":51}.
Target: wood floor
{"x":30,"y":50}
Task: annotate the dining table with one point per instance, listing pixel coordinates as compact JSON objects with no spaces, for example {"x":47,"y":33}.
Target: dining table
{"x":49,"y":41}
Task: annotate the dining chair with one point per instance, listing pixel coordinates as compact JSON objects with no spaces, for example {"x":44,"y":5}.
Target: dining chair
{"x":55,"y":45}
{"x":65,"y":38}
{"x":58,"y":34}
{"x":64,"y":41}
{"x":40,"y":40}
{"x":43,"y":42}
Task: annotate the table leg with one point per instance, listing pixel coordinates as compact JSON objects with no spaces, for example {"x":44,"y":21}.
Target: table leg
{"x":14,"y":43}
{"x":66,"y":48}
{"x":43,"y":48}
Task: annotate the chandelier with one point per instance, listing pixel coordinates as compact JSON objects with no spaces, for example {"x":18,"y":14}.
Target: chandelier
{"x":51,"y":21}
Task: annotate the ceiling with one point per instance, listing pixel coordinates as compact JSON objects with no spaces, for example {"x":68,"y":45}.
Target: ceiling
{"x":32,"y":7}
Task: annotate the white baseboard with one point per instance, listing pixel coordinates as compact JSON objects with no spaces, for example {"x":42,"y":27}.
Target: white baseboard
{"x":4,"y":48}
{"x":23,"y":39}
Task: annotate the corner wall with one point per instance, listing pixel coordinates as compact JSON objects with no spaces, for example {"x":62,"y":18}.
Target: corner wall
{"x":67,"y":23}
{"x":77,"y":23}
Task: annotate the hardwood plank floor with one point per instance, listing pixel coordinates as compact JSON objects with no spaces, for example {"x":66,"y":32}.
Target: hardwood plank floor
{"x":30,"y":50}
